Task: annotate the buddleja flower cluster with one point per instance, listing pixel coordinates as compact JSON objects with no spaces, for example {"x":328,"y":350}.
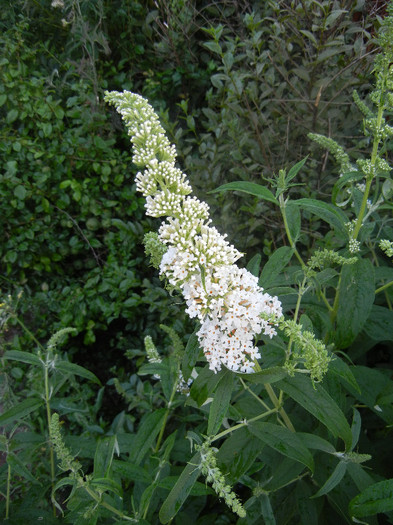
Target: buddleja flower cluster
{"x":199,"y":261}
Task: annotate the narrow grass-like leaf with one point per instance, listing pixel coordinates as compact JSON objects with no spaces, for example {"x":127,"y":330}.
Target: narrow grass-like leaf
{"x":318,"y":402}
{"x":220,"y":403}
{"x":77,"y":370}
{"x":248,"y":187}
{"x":23,"y":357}
{"x":282,"y":440}
{"x":374,"y":499}
{"x":333,"y":480}
{"x":20,"y":410}
{"x":181,"y":490}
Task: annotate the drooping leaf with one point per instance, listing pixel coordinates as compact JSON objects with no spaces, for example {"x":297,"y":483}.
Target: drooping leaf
{"x":318,"y":402}
{"x":325,"y":211}
{"x":20,"y":410}
{"x":77,"y":370}
{"x":264,"y":376}
{"x":148,"y":430}
{"x":282,"y":440}
{"x":220,"y":403}
{"x":333,"y":480}
{"x":23,"y":357}
{"x":374,"y":499}
{"x":181,"y":490}
{"x":190,"y":356}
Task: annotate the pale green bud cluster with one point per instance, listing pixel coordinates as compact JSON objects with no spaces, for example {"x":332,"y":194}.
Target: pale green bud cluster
{"x":308,"y":350}
{"x":335,"y":149}
{"x":154,"y":248}
{"x":66,"y":459}
{"x":323,"y":258}
{"x":387,"y":247}
{"x":214,"y":476}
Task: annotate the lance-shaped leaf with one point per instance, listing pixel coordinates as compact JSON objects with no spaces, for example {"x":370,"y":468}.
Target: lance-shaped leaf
{"x":20,"y":410}
{"x":374,"y":499}
{"x":23,"y":357}
{"x":325,"y":211}
{"x":317,"y":401}
{"x":357,"y":294}
{"x":282,"y":440}
{"x":181,"y":490}
{"x":333,"y":480}
{"x":77,"y":370}
{"x":220,"y":403}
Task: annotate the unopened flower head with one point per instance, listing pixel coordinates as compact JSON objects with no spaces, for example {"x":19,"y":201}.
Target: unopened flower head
{"x":199,"y":260}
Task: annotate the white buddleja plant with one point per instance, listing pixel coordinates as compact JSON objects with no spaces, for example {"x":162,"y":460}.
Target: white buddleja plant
{"x":198,"y":260}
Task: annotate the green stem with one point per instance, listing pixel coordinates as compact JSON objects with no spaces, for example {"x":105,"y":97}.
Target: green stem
{"x":103,"y":503}
{"x":49,"y":416}
{"x":287,"y":231}
{"x":32,"y":336}
{"x":161,"y":434}
{"x":7,"y":500}
{"x":241,"y":425}
{"x":384,"y":287}
{"x":254,"y":395}
{"x":277,"y":404}
{"x":370,"y":176}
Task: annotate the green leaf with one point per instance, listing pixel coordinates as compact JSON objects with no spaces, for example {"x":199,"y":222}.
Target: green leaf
{"x":317,"y":401}
{"x":254,"y":264}
{"x":103,"y":456}
{"x":248,"y":187}
{"x":106,"y":485}
{"x":379,"y":325}
{"x":220,"y":404}
{"x":23,"y":357}
{"x":12,"y":115}
{"x":146,"y":435}
{"x":18,"y":467}
{"x":333,"y":480}
{"x":294,"y":220}
{"x":374,"y":499}
{"x":190,"y":356}
{"x":204,"y":385}
{"x":295,"y":169}
{"x":77,"y":370}
{"x":268,"y":375}
{"x":130,"y":472}
{"x":20,"y":192}
{"x":274,"y":266}
{"x":340,"y":368}
{"x":181,"y":490}
{"x":213,"y":46}
{"x":356,"y":299}
{"x":20,"y":410}
{"x":316,"y":442}
{"x":325,"y":211}
{"x":266,"y":509}
{"x":283,"y":440}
